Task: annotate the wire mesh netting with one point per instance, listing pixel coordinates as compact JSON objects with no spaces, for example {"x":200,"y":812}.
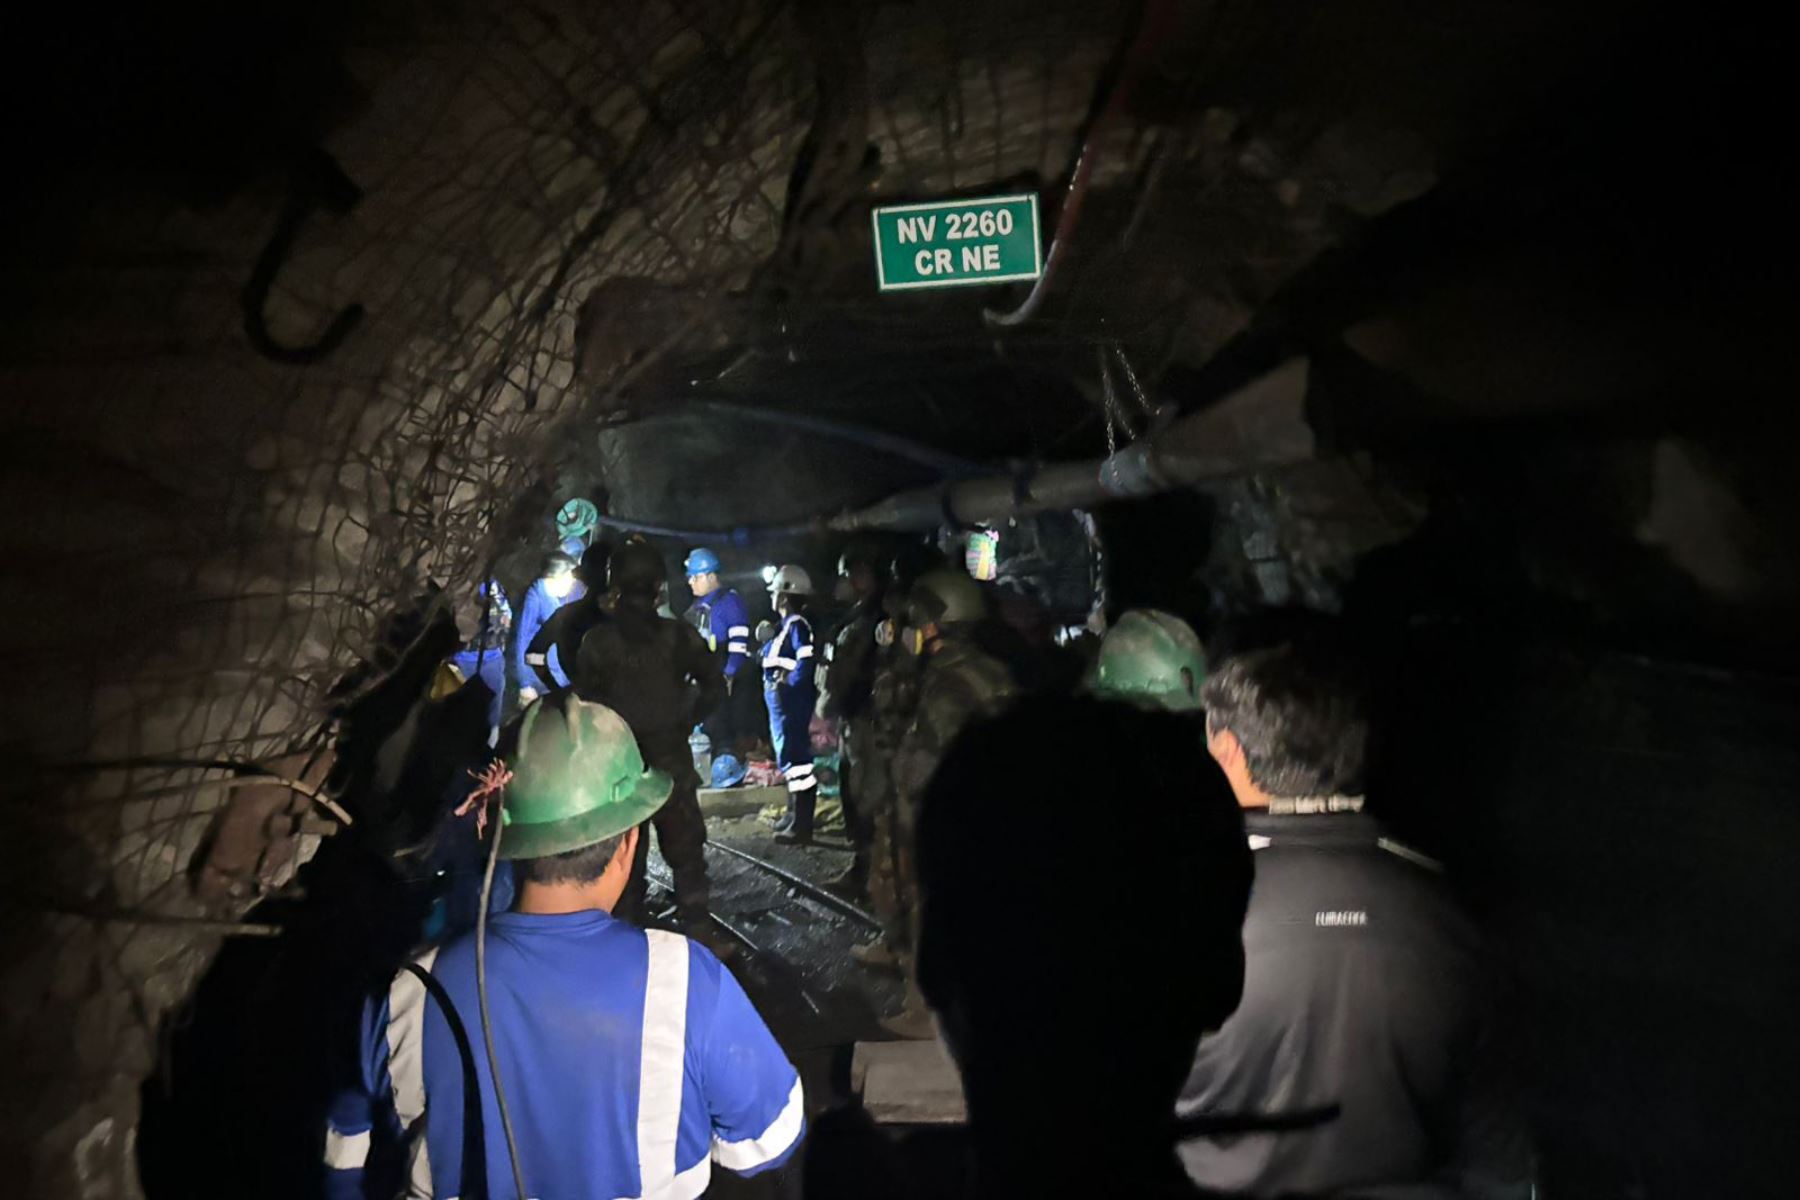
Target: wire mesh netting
{"x":534,"y":206}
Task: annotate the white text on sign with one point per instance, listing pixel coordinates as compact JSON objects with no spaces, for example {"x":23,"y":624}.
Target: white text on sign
{"x":957,"y":242}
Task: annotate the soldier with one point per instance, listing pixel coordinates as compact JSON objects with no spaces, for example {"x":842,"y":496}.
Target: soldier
{"x":657,"y":674}
{"x":957,"y":684}
{"x":849,"y":683}
{"x":893,"y":691}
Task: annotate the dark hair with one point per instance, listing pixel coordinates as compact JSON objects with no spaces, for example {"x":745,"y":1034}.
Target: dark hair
{"x":556,"y":560}
{"x":591,"y":570}
{"x":1299,"y":715}
{"x":572,"y":866}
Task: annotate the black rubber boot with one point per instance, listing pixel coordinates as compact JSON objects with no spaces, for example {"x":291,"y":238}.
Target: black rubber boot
{"x":800,"y":822}
{"x":787,"y":818}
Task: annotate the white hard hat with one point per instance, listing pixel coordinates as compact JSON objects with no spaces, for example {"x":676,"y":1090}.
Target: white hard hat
{"x":791,"y":580}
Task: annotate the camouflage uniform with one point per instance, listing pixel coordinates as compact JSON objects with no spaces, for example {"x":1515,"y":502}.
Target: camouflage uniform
{"x":892,"y":698}
{"x":848,"y":697}
{"x":959,"y":684}
{"x":657,"y":673}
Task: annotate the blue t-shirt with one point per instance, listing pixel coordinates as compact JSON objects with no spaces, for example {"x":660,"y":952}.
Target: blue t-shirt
{"x":632,"y":1061}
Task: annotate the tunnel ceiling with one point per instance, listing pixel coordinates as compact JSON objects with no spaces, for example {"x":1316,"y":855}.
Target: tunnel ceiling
{"x":311,"y":308}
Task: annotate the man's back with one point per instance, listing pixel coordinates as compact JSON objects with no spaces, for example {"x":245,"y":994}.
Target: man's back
{"x":958,"y":684}
{"x":654,"y":671}
{"x":555,"y":650}
{"x":1363,"y":988}
{"x":631,"y":1061}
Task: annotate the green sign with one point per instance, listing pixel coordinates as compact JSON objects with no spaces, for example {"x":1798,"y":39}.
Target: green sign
{"x":954,"y":242}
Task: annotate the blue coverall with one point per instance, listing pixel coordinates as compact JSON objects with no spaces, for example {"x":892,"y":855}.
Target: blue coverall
{"x":791,"y":694}
{"x":538,"y":606}
{"x":722,"y":620}
{"x":724,"y":624}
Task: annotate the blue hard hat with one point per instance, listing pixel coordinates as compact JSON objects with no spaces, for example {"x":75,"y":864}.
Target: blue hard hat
{"x":702,"y":562}
{"x":727,"y":771}
{"x":574,"y":547}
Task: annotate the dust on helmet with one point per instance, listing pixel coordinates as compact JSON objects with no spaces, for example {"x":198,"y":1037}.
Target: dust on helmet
{"x":1151,"y":657}
{"x":578,"y":778}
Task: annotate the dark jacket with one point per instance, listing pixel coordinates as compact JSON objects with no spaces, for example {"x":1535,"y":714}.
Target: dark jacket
{"x":653,"y":671}
{"x":853,"y":662}
{"x":558,"y":639}
{"x":1365,"y":987}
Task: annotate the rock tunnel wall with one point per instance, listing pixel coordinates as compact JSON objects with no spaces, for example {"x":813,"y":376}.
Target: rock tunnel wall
{"x":545,"y":215}
{"x":212,"y":539}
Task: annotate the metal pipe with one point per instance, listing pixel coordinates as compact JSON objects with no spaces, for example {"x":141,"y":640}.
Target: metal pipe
{"x":1260,"y":426}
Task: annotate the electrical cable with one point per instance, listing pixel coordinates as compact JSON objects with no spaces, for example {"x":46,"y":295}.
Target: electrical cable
{"x":481,"y":992}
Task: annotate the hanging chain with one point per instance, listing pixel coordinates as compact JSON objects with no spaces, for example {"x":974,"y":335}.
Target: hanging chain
{"x":1137,"y":389}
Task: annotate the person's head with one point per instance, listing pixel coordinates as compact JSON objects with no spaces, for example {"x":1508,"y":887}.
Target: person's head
{"x":790,"y":589}
{"x":1151,"y":658}
{"x":1285,"y":723}
{"x":637,"y":571}
{"x":941,"y":600}
{"x":603,"y":867}
{"x":862,"y":571}
{"x":592,"y":568}
{"x":702,"y":567}
{"x":558,"y":574}
{"x":1105,"y":1008}
{"x":579,"y":790}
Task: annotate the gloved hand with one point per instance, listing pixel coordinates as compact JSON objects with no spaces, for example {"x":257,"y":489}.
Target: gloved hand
{"x":527,"y":695}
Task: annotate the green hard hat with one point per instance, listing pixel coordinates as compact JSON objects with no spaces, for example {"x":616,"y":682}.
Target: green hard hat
{"x":578,"y":778}
{"x":1142,"y":659}
{"x":945,"y":597}
{"x":576,"y":519}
